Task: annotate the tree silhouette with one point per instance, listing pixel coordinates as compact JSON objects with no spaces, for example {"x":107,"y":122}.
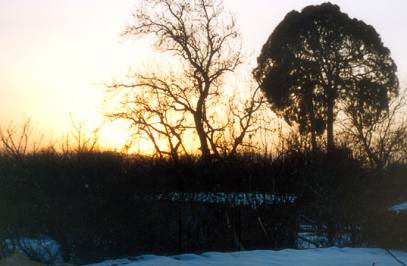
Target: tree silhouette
{"x":152,"y":116}
{"x":319,"y":62}
{"x":382,"y":141}
{"x":204,"y":40}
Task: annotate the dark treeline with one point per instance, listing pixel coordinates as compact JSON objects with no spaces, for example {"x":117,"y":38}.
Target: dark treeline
{"x":101,"y":205}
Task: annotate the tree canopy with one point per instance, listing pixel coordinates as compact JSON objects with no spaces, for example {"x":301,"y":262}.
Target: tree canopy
{"x":319,"y":62}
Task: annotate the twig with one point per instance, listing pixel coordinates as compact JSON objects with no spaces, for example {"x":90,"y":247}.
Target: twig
{"x":394,"y":257}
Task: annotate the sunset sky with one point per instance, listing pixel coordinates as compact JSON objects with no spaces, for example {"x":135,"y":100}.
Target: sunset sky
{"x":55,"y":55}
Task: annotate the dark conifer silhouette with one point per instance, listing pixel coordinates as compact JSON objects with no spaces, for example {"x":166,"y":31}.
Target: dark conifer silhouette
{"x":319,"y":62}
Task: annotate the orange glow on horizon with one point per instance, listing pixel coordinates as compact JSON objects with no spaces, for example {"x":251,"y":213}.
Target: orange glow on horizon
{"x":56,"y":55}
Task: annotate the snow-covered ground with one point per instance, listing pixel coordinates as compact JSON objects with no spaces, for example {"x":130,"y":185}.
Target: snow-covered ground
{"x":288,"y":257}
{"x":253,"y":199}
{"x":401,"y":207}
{"x":41,"y":249}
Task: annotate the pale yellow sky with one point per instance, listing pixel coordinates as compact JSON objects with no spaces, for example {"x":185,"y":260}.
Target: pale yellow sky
{"x":54,"y":54}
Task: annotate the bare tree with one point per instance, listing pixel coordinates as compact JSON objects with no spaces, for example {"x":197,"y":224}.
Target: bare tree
{"x":381,"y":139}
{"x":244,"y":120}
{"x":16,"y":140}
{"x":153,"y":115}
{"x":78,"y":140}
{"x":205,"y":40}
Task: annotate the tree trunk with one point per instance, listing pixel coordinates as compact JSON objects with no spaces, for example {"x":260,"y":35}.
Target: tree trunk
{"x":330,"y":123}
{"x":202,"y":135}
{"x":310,"y":110}
{"x":313,"y":129}
{"x":313,"y":139}
{"x":199,"y":121}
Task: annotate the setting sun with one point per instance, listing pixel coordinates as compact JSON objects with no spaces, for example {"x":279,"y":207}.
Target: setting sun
{"x":57,"y":56}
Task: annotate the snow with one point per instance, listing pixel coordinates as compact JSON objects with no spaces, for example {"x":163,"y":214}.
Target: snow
{"x":42,"y":249}
{"x":309,"y":257}
{"x":253,"y":199}
{"x":401,"y":207}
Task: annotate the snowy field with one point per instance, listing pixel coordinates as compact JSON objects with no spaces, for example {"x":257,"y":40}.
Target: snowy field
{"x":288,"y":257}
